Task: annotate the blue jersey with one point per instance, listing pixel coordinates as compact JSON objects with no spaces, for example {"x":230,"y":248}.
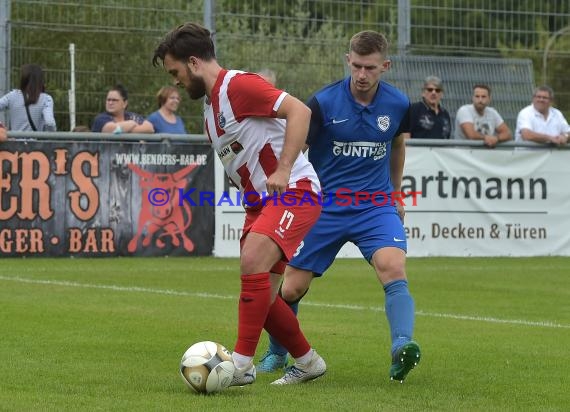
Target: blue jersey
{"x":350,"y":144}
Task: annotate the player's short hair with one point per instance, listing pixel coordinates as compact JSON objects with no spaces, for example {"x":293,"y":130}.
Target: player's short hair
{"x":164,"y":93}
{"x":483,"y":86}
{"x":186,"y":40}
{"x":367,"y":42}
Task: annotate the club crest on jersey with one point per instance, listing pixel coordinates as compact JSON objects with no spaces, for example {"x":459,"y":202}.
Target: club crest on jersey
{"x":383,"y":123}
{"x":221,"y":120}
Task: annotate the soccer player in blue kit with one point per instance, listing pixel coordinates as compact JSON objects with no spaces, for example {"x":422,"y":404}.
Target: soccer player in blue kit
{"x":356,"y":145}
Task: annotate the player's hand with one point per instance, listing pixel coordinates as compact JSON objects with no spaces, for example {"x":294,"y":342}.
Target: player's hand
{"x":278,"y":181}
{"x":401,"y":212}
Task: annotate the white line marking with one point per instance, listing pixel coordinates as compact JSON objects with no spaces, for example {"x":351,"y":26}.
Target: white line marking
{"x":544,"y":324}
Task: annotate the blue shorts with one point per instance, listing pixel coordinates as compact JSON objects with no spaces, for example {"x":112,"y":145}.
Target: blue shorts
{"x":369,"y":229}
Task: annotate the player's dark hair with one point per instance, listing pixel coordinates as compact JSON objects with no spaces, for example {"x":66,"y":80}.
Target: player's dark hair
{"x":188,"y":39}
{"x":483,"y":86}
{"x":368,"y":42}
{"x":31,"y":83}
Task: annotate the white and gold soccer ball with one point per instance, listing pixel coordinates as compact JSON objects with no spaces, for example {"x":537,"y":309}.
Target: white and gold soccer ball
{"x":207,"y":367}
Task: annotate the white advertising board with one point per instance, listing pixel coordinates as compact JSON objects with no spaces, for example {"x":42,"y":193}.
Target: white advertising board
{"x":473,"y":202}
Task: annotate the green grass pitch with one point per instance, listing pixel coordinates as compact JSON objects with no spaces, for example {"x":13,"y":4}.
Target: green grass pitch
{"x":108,"y":334}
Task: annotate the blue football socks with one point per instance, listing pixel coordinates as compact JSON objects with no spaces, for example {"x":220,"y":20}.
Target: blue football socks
{"x":400,"y":312}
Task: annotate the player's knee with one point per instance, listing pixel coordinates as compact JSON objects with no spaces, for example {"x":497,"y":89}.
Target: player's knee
{"x":245,"y":266}
{"x":292,"y":294}
{"x":249,"y":263}
{"x":391,"y":272}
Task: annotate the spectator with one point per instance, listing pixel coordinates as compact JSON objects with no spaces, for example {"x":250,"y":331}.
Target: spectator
{"x":268,"y":75}
{"x":3,"y":133}
{"x":116,"y":119}
{"x":541,"y":123}
{"x":30,"y":107}
{"x":165,"y":120}
{"x":428,"y":119}
{"x":478,"y":121}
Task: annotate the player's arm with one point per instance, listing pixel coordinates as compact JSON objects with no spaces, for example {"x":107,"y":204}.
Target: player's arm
{"x":298,"y":116}
{"x":398,"y":155}
{"x":316,"y":124}
{"x":254,"y":97}
{"x":397,"y":160}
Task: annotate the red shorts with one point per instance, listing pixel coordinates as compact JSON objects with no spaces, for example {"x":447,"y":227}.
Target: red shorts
{"x":286,"y":220}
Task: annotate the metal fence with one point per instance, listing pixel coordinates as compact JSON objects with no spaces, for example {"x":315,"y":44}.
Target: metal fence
{"x":510,"y":80}
{"x":304,"y":41}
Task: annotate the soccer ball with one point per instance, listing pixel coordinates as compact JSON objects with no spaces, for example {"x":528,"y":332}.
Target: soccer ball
{"x":207,"y":367}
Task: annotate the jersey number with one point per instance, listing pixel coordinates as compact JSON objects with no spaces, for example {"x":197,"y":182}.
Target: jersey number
{"x":286,"y":221}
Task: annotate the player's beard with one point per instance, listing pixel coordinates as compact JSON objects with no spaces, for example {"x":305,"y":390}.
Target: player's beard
{"x":196,"y":88}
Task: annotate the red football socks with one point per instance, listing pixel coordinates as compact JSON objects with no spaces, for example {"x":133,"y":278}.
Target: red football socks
{"x":254,"y":301}
{"x":282,"y":324}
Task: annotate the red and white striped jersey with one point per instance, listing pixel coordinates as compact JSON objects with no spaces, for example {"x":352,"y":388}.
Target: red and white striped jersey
{"x":241,"y":123}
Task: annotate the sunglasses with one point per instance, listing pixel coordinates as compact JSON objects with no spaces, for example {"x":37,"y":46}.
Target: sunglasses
{"x":431,"y":89}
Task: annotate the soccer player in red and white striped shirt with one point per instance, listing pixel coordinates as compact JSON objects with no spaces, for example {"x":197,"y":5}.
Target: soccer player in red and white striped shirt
{"x":258,"y":132}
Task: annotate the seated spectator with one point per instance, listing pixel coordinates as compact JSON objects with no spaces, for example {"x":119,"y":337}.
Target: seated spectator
{"x":428,"y":119}
{"x":268,"y":75}
{"x":478,"y":121}
{"x":3,"y":133}
{"x":116,"y":119}
{"x":165,"y":120}
{"x":30,"y":107}
{"x":540,"y":122}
